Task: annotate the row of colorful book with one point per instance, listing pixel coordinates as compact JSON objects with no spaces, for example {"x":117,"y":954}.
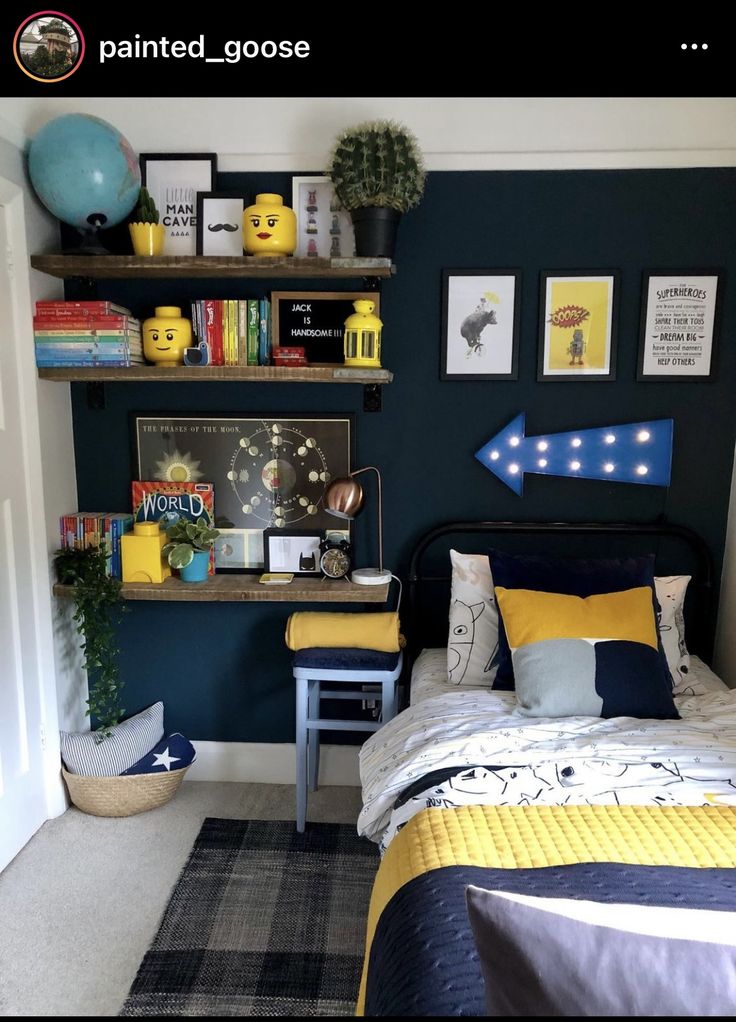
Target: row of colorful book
{"x":237,"y":331}
{"x":69,"y":334}
{"x":85,"y":529}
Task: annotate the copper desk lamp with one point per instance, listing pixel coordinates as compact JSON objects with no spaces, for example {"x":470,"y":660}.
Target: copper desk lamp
{"x":344,"y":499}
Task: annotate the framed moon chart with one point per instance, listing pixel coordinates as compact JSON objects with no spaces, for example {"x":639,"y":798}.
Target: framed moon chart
{"x":269,"y":472}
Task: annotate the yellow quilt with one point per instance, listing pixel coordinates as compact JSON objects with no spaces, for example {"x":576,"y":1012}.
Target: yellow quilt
{"x":518,"y":837}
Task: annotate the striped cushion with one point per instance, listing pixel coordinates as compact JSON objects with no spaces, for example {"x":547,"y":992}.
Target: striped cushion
{"x":130,"y":741}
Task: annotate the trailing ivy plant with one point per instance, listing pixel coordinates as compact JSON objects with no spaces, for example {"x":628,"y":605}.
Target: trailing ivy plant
{"x":98,"y":608}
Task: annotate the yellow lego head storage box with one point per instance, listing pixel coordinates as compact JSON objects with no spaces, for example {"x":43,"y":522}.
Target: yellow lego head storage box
{"x":269,"y":227}
{"x":166,"y":335}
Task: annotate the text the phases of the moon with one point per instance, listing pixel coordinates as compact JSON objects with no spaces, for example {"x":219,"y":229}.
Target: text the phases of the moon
{"x":191,"y":429}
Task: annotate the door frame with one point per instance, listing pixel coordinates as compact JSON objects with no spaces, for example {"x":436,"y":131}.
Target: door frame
{"x":45,"y":684}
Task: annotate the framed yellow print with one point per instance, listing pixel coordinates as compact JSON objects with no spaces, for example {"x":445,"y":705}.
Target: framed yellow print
{"x":577,"y":325}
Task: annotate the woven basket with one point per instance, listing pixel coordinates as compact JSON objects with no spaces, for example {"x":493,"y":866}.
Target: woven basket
{"x":122,"y":796}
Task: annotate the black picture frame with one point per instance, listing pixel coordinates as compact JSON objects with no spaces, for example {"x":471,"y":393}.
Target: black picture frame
{"x":315,"y":321}
{"x":711,"y":328}
{"x":580,"y":373}
{"x":297,"y":567}
{"x":465,"y":333}
{"x":213,"y":452}
{"x":175,"y":195}
{"x":203,"y":199}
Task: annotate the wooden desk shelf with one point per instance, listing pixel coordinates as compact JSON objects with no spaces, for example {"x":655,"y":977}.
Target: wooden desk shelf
{"x":247,"y":588}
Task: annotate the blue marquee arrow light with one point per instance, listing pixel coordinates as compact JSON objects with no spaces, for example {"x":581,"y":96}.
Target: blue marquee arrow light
{"x":636,"y":452}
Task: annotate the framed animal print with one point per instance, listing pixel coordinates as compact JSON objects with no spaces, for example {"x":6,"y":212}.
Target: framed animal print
{"x":480,"y":324}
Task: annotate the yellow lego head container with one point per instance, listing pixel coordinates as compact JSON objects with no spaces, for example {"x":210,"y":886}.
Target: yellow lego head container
{"x":141,"y":553}
{"x":363,"y":336}
{"x":166,"y":335}
{"x":269,"y":227}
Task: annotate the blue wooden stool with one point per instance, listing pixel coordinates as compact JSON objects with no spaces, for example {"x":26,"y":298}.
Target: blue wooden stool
{"x":341,"y":667}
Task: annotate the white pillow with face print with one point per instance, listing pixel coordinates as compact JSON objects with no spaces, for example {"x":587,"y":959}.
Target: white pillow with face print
{"x":472,"y":643}
{"x":671,"y":591}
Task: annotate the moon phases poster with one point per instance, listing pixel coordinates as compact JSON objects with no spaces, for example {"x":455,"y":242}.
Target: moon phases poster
{"x":268,"y":472}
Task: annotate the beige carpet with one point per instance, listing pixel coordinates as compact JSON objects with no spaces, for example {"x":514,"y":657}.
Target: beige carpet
{"x":81,"y":903}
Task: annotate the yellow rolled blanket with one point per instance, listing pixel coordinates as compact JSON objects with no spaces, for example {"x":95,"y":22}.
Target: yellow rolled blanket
{"x":379,"y":631}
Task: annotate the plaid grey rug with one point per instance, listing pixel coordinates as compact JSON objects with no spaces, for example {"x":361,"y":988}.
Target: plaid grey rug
{"x":262,"y":921}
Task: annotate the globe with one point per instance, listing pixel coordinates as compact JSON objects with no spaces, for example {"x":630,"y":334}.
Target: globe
{"x":84,"y":171}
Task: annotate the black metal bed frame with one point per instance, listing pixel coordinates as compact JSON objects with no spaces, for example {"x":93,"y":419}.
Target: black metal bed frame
{"x":700,"y":606}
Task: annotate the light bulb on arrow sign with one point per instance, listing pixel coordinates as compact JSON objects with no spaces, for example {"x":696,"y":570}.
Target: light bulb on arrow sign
{"x":635,"y":452}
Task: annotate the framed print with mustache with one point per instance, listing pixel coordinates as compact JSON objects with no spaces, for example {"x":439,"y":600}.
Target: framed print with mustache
{"x":220,"y":223}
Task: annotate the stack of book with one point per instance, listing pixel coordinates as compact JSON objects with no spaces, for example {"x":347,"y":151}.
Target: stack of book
{"x":237,"y":331}
{"x":86,"y":529}
{"x":71,"y":334}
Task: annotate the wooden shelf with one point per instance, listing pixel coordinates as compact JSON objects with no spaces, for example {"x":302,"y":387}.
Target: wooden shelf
{"x":247,"y":588}
{"x":221,"y":374}
{"x":116,"y":266}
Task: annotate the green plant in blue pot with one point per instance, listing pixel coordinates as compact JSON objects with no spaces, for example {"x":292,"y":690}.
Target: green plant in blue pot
{"x":188,"y":548}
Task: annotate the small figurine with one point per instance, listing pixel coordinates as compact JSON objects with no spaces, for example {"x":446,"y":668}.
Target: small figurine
{"x":335,"y":229}
{"x":311,"y":227}
{"x":335,"y":248}
{"x":576,"y":348}
{"x":312,"y":202}
{"x":166,"y":335}
{"x":312,"y":248}
{"x":269,"y":227}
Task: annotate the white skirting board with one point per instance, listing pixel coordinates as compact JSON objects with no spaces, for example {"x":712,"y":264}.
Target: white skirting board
{"x":269,"y":763}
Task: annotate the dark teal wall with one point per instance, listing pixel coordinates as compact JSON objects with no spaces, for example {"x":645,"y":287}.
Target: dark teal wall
{"x":222,"y":669}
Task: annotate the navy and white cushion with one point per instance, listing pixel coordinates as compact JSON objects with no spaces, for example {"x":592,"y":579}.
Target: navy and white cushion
{"x":83,"y":753}
{"x":172,"y":753}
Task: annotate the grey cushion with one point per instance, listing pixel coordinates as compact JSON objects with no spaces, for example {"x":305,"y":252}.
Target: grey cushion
{"x":130,"y":740}
{"x":539,"y":960}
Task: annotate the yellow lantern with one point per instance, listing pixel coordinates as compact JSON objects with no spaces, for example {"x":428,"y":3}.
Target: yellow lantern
{"x":363,"y":336}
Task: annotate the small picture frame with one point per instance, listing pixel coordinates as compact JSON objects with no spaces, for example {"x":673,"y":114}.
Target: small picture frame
{"x":220,"y":223}
{"x":324,"y":229}
{"x":173,"y":180}
{"x":578,"y":316}
{"x":680,"y":321}
{"x":481,"y":311}
{"x":292,"y":550}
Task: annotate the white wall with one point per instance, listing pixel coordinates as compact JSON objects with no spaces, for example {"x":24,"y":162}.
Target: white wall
{"x":53,"y":450}
{"x":724,"y":661}
{"x":295,"y":134}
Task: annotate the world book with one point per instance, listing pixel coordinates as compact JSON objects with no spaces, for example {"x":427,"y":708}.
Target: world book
{"x":167,"y":502}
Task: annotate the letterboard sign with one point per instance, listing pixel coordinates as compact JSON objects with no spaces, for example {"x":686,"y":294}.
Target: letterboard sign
{"x":315,"y":321}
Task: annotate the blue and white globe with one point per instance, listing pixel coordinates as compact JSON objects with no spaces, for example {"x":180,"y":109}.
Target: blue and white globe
{"x":84,"y":171}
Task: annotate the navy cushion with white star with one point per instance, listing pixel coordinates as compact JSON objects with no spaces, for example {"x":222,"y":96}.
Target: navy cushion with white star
{"x":171,"y":753}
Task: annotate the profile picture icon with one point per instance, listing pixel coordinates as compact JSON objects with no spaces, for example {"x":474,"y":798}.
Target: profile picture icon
{"x":48,"y":46}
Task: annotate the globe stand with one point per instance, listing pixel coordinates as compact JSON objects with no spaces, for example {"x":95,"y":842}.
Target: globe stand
{"x":89,"y":244}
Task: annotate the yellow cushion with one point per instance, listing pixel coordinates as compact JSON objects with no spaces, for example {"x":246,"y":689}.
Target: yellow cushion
{"x":531,"y":616}
{"x":306,"y":629}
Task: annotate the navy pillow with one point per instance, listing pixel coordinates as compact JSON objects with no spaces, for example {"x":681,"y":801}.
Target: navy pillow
{"x":572,"y":576}
{"x":172,"y":753}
